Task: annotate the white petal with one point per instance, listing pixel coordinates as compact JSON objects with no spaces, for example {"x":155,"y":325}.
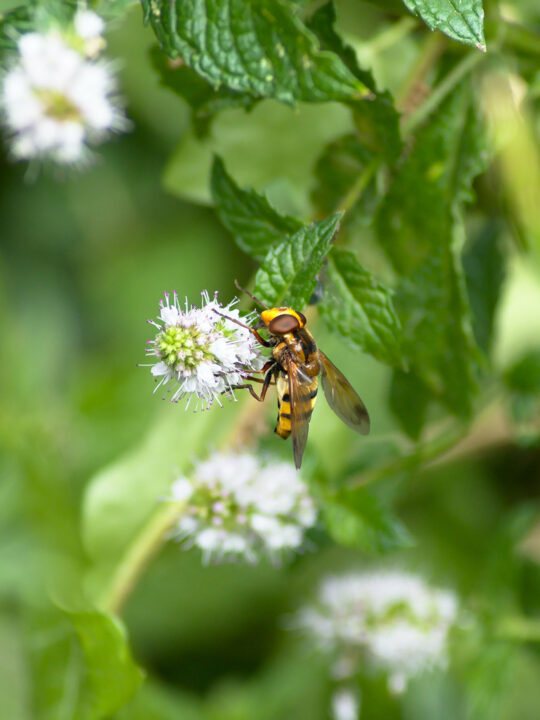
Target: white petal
{"x":397,"y":683}
{"x":345,"y":705}
{"x":72,"y":143}
{"x":209,"y":539}
{"x":206,"y":374}
{"x":161,"y":368}
{"x":22,"y":107}
{"x":224,"y":351}
{"x":234,"y":543}
{"x":182,"y":489}
{"x":48,"y":134}
{"x":187,"y":525}
{"x":169,"y":315}
{"x":88,"y":24}
{"x":23,"y":146}
{"x":48,"y":61}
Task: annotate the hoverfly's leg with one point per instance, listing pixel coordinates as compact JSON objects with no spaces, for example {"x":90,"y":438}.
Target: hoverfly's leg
{"x":266,"y":384}
{"x":265,"y":367}
{"x":263,"y":342}
{"x":257,"y":380}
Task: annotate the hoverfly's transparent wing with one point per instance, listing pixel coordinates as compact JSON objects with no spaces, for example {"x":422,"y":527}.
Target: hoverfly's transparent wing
{"x":343,"y":398}
{"x":301,"y":388}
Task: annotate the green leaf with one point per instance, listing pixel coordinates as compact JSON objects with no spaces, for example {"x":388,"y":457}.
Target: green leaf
{"x":288,"y":275}
{"x":523,"y":381}
{"x":14,"y":671}
{"x":358,"y":519}
{"x":524,"y":375}
{"x":418,"y":214}
{"x":339,"y":167}
{"x":377,"y":121}
{"x":438,"y":342}
{"x":256,"y":46}
{"x":462,"y":20}
{"x":419,"y":226}
{"x":82,"y":666}
{"x":253,"y":222}
{"x":12,"y":23}
{"x":162,"y":701}
{"x":409,"y":400}
{"x":114,"y":8}
{"x":484,"y":266}
{"x":357,"y":306}
{"x":322,"y":23}
{"x":487,"y":679}
{"x":205,"y":102}
{"x":111,"y":677}
{"x":377,"y":127}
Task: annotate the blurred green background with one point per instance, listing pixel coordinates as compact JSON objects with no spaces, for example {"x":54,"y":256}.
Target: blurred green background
{"x":85,"y":257}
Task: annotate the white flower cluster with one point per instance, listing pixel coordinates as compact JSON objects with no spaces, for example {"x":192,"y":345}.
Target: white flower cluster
{"x":201,"y":352}
{"x":345,"y":705}
{"x":393,"y":619}
{"x":239,"y":506}
{"x":57,"y":97}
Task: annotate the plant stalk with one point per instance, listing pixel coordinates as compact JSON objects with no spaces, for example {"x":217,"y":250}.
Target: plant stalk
{"x":441,"y":91}
{"x":146,"y":544}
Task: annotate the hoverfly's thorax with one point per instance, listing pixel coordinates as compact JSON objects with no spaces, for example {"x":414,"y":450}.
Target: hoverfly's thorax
{"x":303,"y":347}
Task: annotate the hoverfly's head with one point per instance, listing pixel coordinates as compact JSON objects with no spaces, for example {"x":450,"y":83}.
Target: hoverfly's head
{"x":283,"y":320}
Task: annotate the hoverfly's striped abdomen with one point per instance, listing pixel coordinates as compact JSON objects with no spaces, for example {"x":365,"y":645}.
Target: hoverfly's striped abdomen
{"x":303,"y":411}
{"x":301,"y":349}
{"x":283,"y":424}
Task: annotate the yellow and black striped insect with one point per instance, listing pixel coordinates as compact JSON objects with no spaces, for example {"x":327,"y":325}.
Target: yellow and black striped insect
{"x":295,"y":366}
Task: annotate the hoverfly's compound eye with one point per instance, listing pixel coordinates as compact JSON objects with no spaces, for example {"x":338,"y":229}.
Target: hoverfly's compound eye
{"x":282,"y":324}
{"x":302,"y":317}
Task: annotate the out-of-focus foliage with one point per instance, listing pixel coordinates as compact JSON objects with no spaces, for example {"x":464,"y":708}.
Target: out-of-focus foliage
{"x":409,"y":218}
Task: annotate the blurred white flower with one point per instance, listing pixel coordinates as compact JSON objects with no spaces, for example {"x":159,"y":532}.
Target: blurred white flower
{"x":55,"y":101}
{"x":394,"y":619}
{"x":89,"y":27}
{"x":240,"y":506}
{"x":88,"y":24}
{"x":345,"y":705}
{"x":201,"y":353}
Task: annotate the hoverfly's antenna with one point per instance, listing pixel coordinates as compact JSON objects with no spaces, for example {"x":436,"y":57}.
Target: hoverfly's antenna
{"x":259,"y":302}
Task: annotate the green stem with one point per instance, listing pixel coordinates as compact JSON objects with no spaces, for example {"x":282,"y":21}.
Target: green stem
{"x":143,"y":548}
{"x":441,"y":91}
{"x":518,"y":38}
{"x":392,"y":35}
{"x":490,"y":430}
{"x":360,"y":184}
{"x":431,"y":51}
{"x":519,"y":629}
{"x":428,"y":452}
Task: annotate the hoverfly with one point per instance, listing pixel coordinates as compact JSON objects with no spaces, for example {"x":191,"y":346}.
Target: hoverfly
{"x":295,"y":365}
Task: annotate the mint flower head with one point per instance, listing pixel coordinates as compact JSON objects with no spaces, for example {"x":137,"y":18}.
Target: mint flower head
{"x":239,"y":506}
{"x":199,"y":352}
{"x":393,"y":620}
{"x":56,"y":98}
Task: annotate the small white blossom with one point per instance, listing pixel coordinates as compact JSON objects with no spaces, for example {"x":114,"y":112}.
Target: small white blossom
{"x":200,"y":352}
{"x":55,"y":101}
{"x":88,"y":24}
{"x":87,"y":35}
{"x":239,"y":506}
{"x":345,"y":705}
{"x":394,"y":619}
